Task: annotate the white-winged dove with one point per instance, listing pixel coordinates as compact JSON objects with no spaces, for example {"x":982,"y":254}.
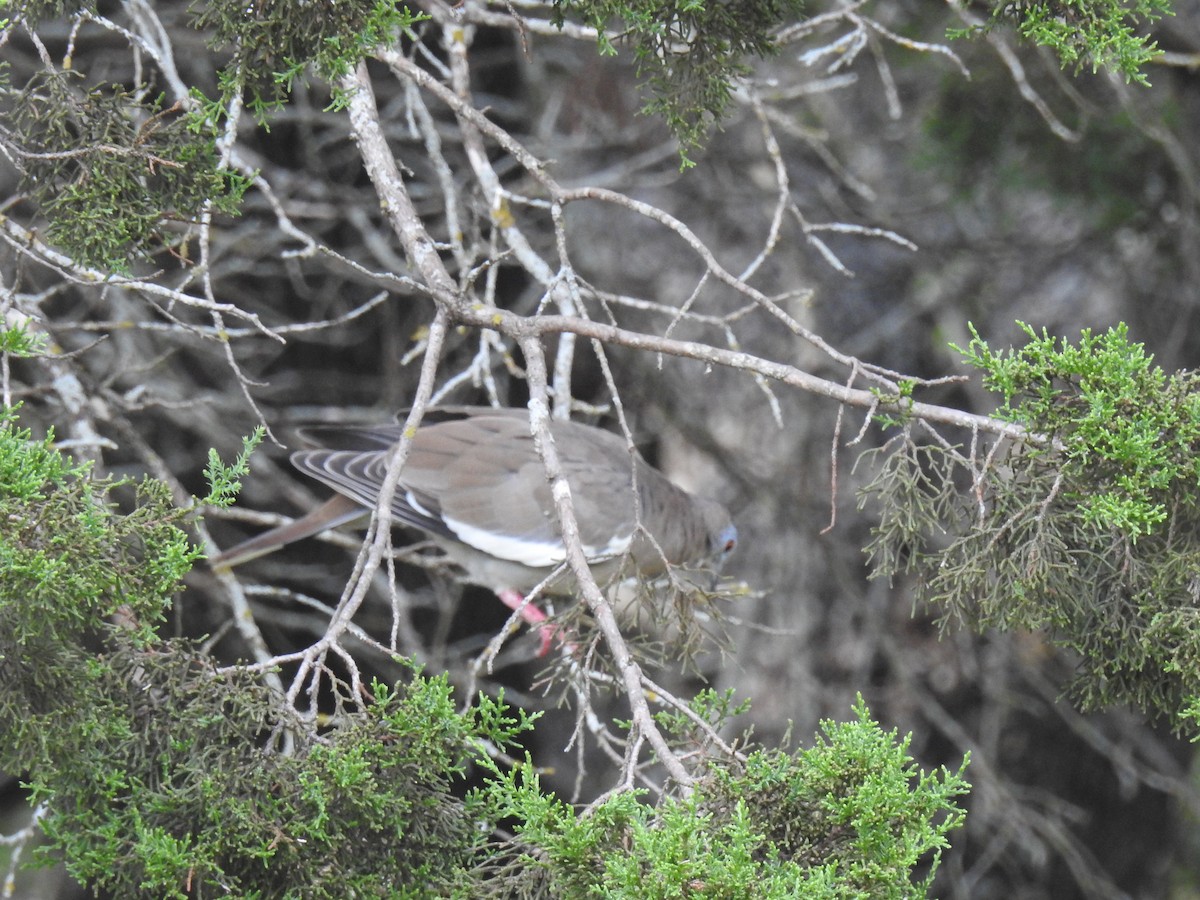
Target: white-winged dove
{"x":474,"y":481}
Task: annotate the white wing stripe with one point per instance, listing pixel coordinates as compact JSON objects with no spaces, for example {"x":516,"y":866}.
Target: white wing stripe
{"x":412,"y":501}
{"x":536,"y":554}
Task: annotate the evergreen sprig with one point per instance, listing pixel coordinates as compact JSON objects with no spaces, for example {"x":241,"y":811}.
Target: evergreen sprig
{"x":224,"y":481}
{"x":1089,"y":528}
{"x":1100,"y":34}
{"x":1126,"y":433}
{"x":111,"y":171}
{"x":852,"y":816}
{"x":283,"y":38}
{"x":164,"y":777}
{"x":689,"y":51}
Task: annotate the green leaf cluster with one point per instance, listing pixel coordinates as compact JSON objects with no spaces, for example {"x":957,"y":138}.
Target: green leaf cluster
{"x":1125,"y":435}
{"x":1095,"y":33}
{"x":111,"y":170}
{"x":163,"y":776}
{"x":690,"y":51}
{"x":207,"y":790}
{"x":275,"y":45}
{"x":849,"y":817}
{"x":18,"y":341}
{"x":225,"y":480}
{"x":35,"y":11}
{"x":68,"y":563}
{"x":1088,"y":528}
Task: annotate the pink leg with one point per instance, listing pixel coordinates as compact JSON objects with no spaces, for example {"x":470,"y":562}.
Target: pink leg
{"x":532,"y":615}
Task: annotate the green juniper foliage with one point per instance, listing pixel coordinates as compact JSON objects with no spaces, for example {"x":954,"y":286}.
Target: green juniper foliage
{"x":1089,"y":528}
{"x":19,"y":341}
{"x":119,"y":177}
{"x":68,"y":562}
{"x":276,"y":45}
{"x":110,"y":171}
{"x":1095,"y":33}
{"x":225,"y":480}
{"x":35,"y":11}
{"x":270,"y":51}
{"x":188,"y":792}
{"x":1122,"y":424}
{"x":689,"y":51}
{"x":849,"y":817}
{"x":164,"y":777}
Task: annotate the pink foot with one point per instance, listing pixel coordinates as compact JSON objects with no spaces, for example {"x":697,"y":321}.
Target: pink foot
{"x":532,"y":615}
